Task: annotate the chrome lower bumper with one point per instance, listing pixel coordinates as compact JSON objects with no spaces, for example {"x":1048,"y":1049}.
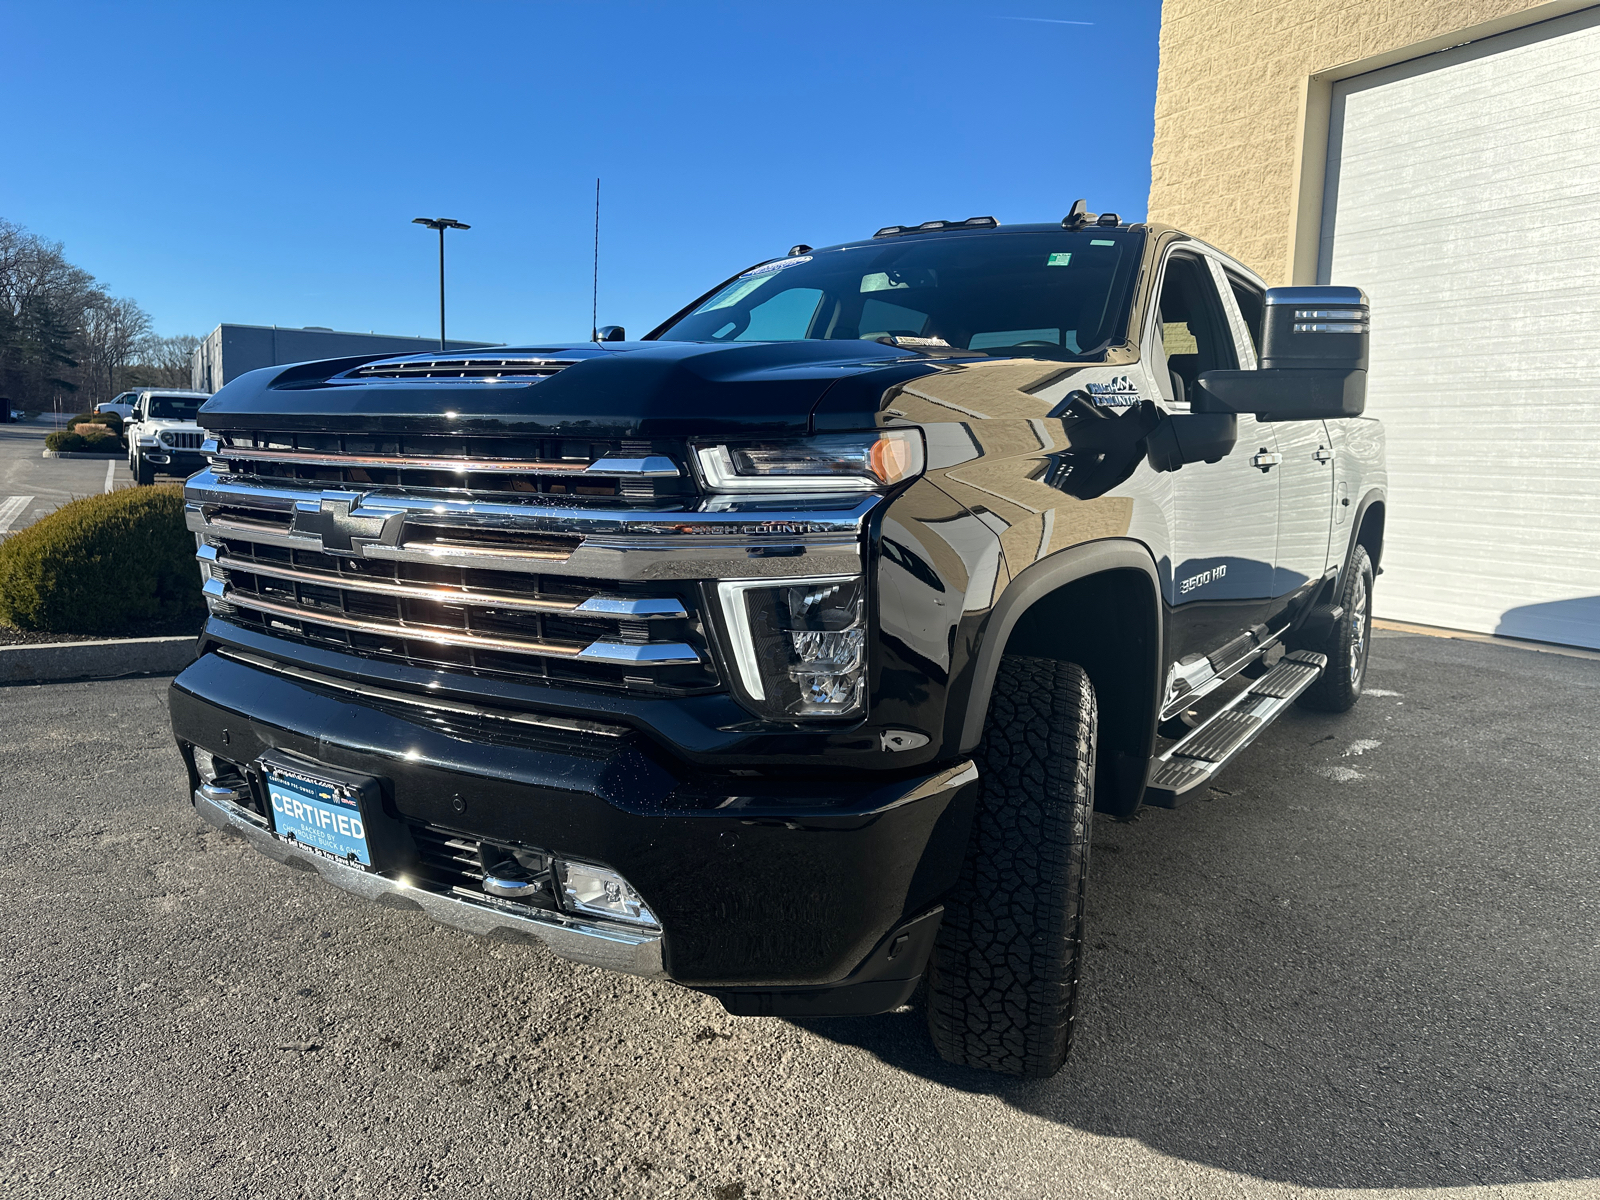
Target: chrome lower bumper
{"x":599,"y":946}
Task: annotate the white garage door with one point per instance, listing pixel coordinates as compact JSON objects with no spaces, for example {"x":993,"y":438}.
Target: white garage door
{"x":1464,"y":195}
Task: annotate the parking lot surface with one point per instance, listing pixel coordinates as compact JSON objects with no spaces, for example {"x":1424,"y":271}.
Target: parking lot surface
{"x":32,"y":485}
{"x":1365,"y":965}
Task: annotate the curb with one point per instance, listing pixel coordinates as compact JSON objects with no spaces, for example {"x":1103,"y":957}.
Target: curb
{"x":81,"y":454}
{"x":51,"y":662}
{"x":1492,"y":639}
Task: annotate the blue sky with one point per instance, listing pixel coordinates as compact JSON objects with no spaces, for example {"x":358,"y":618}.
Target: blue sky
{"x":262,"y":163}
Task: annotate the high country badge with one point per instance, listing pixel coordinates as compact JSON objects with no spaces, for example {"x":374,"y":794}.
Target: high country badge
{"x":1119,"y":393}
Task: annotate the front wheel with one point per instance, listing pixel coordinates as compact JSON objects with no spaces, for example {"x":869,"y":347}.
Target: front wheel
{"x":1348,"y":644}
{"x":1003,"y":978}
{"x":143,"y":473}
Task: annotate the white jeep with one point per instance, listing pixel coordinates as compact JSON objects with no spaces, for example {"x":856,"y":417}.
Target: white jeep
{"x":162,"y":434}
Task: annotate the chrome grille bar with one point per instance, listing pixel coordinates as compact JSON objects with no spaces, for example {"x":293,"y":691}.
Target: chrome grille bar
{"x":619,"y":608}
{"x":810,"y":535}
{"x":431,"y":701}
{"x":652,"y":654}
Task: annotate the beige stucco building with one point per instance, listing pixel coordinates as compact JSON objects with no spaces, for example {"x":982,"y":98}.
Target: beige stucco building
{"x":1443,"y":155}
{"x":1243,"y":101}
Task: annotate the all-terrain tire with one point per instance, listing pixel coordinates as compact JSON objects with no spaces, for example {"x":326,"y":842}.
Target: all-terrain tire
{"x":1349,"y":643}
{"x":143,"y":473}
{"x":1003,"y":978}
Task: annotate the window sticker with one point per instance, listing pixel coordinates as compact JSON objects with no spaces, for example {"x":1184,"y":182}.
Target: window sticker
{"x":1101,"y":242}
{"x":880,"y":282}
{"x":768,"y":268}
{"x":1058,"y":260}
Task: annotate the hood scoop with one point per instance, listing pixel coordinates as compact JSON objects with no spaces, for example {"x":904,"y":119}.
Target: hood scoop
{"x":484,"y":368}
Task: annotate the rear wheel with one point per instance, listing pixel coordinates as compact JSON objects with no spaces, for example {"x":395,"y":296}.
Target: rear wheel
{"x":1003,"y":980}
{"x":1348,"y":644}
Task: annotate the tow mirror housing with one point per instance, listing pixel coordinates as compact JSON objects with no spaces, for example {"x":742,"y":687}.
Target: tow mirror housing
{"x":1313,"y":360}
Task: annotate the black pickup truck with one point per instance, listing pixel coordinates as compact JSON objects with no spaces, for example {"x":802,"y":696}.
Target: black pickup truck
{"x":787,"y":652}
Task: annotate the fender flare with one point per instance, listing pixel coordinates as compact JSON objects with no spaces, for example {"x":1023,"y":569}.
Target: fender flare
{"x":1374,"y":495}
{"x":1034,"y":584}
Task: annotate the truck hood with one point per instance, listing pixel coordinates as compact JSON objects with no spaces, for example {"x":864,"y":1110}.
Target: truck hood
{"x":616,"y":390}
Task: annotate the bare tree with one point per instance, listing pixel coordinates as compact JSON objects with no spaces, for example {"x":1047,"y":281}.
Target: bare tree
{"x":163,"y":361}
{"x":113,"y":333}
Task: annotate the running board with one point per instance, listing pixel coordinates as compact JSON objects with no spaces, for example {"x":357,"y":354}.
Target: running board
{"x":1190,"y":765}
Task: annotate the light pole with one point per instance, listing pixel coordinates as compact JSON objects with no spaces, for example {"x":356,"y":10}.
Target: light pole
{"x":441,"y":224}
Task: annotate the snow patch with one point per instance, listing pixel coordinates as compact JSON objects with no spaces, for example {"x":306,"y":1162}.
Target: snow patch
{"x":1372,"y":691}
{"x":1338,"y":774}
{"x":1361,"y":746}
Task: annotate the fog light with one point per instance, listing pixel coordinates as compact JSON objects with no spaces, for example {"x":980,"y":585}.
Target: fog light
{"x":598,"y":892}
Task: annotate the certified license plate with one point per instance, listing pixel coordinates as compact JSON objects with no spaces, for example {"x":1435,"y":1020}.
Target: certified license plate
{"x":317,"y":814}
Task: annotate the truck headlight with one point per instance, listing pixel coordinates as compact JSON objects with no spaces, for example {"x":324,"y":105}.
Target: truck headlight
{"x":830,"y":462}
{"x":799,"y":645}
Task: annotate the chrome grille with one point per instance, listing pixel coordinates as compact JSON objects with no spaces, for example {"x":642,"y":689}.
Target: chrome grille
{"x":480,"y":621}
{"x":577,"y":467}
{"x":182,"y":439}
{"x":417,"y":550}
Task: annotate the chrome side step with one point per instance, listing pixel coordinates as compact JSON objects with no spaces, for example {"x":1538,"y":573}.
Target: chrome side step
{"x":1190,"y":765}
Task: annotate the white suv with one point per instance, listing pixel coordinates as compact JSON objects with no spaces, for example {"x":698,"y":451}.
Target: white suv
{"x":162,"y":434}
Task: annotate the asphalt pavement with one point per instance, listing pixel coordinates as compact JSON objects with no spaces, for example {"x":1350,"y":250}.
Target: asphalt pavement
{"x":1366,"y":964}
{"x":32,"y":485}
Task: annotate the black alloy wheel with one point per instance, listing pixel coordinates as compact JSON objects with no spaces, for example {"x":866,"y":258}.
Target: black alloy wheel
{"x":1349,"y":643}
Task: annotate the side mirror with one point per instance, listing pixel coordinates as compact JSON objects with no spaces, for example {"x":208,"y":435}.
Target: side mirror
{"x":1313,"y":360}
{"x":611,"y":333}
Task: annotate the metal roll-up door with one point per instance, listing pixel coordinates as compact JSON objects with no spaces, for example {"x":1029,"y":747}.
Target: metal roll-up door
{"x":1463,"y":193}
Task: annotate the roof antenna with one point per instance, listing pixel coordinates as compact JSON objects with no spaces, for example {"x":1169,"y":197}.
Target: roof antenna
{"x":594,"y":297}
{"x":1079,"y":216}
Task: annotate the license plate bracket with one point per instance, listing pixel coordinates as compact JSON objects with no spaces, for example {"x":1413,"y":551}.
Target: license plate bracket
{"x":322,"y":809}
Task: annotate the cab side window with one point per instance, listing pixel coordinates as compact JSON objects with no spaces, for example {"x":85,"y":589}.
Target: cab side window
{"x":1252,"y":304}
{"x":1194,"y":329}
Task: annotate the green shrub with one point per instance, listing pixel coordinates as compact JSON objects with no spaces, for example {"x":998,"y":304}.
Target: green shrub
{"x":110,"y":564}
{"x":64,"y":440}
{"x":93,"y":439}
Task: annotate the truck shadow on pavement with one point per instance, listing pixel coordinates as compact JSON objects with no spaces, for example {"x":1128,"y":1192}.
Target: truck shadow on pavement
{"x":1346,"y":970}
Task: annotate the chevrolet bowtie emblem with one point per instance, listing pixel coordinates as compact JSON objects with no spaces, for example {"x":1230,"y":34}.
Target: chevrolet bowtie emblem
{"x":345,"y":524}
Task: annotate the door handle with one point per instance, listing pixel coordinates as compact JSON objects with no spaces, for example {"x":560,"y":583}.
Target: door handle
{"x":1265,"y":459}
{"x":1323,"y":454}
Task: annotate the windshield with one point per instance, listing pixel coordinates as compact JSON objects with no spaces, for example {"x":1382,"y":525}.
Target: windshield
{"x":1049,"y":295}
{"x":174,"y":408}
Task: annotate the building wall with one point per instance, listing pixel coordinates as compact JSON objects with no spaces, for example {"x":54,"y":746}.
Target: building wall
{"x":228,"y":351}
{"x":1238,"y":94}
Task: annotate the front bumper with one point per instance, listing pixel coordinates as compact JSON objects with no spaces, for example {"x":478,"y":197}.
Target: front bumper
{"x":763,"y":887}
{"x":173,"y":462}
{"x":612,"y":947}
